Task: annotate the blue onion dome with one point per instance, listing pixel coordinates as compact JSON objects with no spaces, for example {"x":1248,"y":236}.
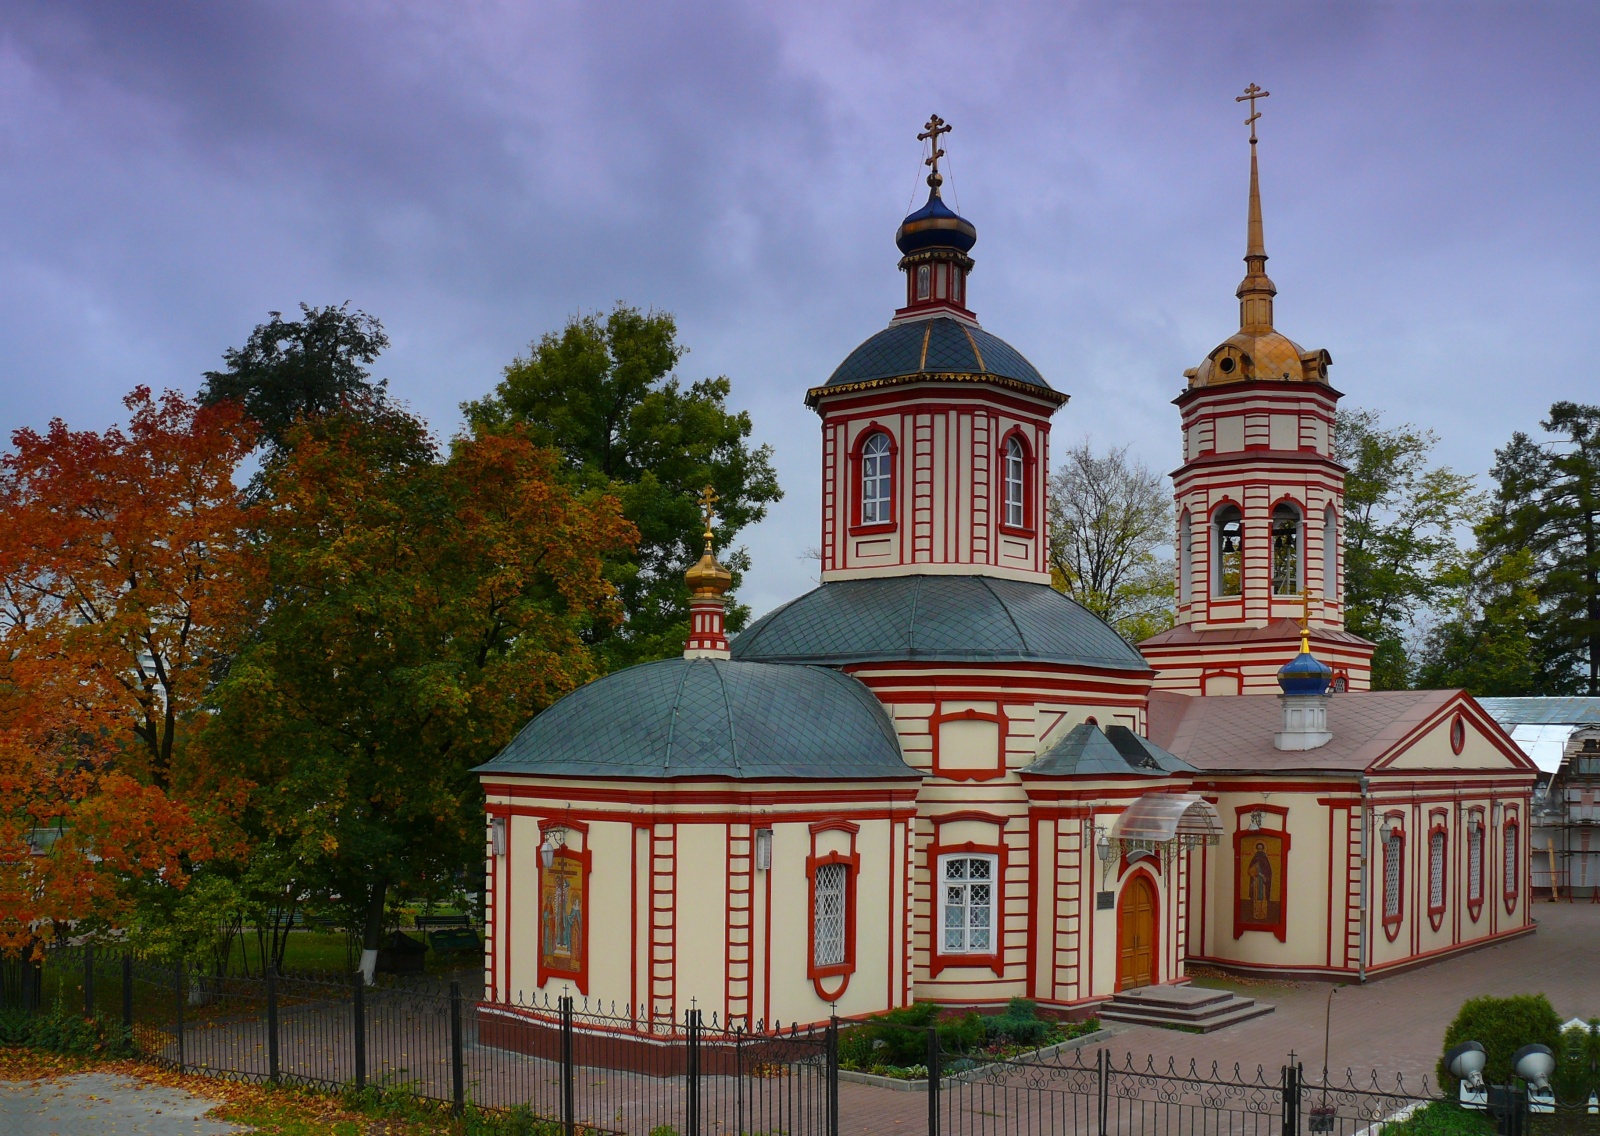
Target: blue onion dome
{"x":935,"y":225}
{"x":711,"y":718}
{"x":1305,"y":674}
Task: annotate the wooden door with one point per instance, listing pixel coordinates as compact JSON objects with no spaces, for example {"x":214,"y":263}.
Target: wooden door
{"x":1136,"y":934}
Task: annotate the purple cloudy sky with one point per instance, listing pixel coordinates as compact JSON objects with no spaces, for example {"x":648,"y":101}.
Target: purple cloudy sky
{"x":475,"y":173}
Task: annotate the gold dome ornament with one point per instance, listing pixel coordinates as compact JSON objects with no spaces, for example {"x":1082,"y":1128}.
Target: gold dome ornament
{"x":707,"y":581}
{"x":1258,"y":351}
{"x":707,"y":577}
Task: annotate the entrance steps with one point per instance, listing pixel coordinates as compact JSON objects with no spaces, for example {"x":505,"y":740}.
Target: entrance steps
{"x":1181,"y":1007}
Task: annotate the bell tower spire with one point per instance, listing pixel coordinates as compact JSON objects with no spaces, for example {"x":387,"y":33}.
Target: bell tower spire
{"x":1256,"y":290}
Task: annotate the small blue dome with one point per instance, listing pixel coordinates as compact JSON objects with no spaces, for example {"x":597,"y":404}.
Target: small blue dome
{"x":935,"y":225}
{"x":1305,"y":674}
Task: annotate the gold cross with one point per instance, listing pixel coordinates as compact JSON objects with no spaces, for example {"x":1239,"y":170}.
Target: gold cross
{"x":708,"y":498}
{"x":930,"y":133}
{"x":1252,"y":92}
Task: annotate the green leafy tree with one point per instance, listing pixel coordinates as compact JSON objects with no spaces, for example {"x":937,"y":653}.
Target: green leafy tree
{"x":1110,"y":523}
{"x":602,"y":393}
{"x":1402,"y":517}
{"x":1485,"y":639}
{"x":422,"y":611}
{"x":289,"y":369}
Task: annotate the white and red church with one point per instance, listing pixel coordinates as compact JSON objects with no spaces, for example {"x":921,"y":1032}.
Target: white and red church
{"x":935,"y":777}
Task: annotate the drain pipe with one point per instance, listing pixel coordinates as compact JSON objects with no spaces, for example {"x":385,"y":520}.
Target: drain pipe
{"x":1366,"y":812}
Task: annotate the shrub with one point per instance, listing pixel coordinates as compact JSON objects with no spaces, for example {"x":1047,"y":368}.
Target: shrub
{"x":1578,"y":1064}
{"x":1019,"y":1025}
{"x":1441,"y":1118}
{"x":62,"y":1030}
{"x":1502,"y":1026}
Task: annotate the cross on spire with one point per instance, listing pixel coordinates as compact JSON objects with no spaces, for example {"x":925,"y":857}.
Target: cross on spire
{"x":1252,"y":93}
{"x":708,"y":498}
{"x":930,"y":134}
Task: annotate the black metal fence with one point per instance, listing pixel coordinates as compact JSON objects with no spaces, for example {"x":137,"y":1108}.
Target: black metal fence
{"x":596,"y":1072}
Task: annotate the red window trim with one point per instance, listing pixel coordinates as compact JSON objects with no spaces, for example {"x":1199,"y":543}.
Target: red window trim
{"x":1280,"y":928}
{"x":1391,"y":923}
{"x":1475,"y":902}
{"x":857,"y":528}
{"x":1437,"y":828}
{"x":1027,"y":528}
{"x":1512,"y":884}
{"x":852,"y":862}
{"x":939,"y":717}
{"x":994,"y":960}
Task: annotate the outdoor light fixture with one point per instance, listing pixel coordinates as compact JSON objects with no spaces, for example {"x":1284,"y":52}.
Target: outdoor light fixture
{"x":497,"y":836}
{"x":1255,"y":820}
{"x":1387,"y":829}
{"x":1466,"y":1061}
{"x":1534,"y":1064}
{"x":763,"y":849}
{"x":555,"y":838}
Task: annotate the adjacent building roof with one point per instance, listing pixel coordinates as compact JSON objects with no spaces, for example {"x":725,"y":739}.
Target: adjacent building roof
{"x":1287,"y":630}
{"x":939,"y":346}
{"x":963,"y":619}
{"x":1087,"y":751}
{"x":700,"y":718}
{"x":1234,"y":732}
{"x":1557,"y":710}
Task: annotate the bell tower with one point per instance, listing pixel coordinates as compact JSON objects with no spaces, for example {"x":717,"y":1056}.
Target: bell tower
{"x":1259,"y":502}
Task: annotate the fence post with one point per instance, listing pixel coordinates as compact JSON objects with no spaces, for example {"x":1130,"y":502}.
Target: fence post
{"x":1103,"y":1079}
{"x":127,"y":994}
{"x":933,"y":1081}
{"x":458,"y":1084}
{"x":358,"y":1007}
{"x":691,"y":1118}
{"x":833,"y":1071}
{"x":1291,"y":1099}
{"x":272,"y":1025}
{"x":183,"y":994}
{"x":569,"y":1099}
{"x":88,"y":980}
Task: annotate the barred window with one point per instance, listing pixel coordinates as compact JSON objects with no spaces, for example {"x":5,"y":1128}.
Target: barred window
{"x":827,"y":946}
{"x":967,"y":904}
{"x":1511,"y":859}
{"x":1436,"y":871}
{"x":1391,"y":877}
{"x":877,"y":481}
{"x":1475,"y":864}
{"x":1016,"y":484}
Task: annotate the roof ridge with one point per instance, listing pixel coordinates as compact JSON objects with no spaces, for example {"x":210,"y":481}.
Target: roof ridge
{"x":672,"y":728}
{"x":1011,"y":619}
{"x":973,"y":343}
{"x":733,"y":738}
{"x":863,"y":694}
{"x":911,"y":623}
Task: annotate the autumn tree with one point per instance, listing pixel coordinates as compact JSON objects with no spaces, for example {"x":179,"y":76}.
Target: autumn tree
{"x":423,"y":608}
{"x":1403,"y":521}
{"x":127,"y":582}
{"x":1110,"y":523}
{"x":304,"y":368}
{"x":602,"y":393}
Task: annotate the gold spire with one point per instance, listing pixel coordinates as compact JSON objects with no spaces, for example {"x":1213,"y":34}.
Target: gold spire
{"x":1256,"y":289}
{"x":1305,"y":621}
{"x":930,"y":133}
{"x":707,"y":577}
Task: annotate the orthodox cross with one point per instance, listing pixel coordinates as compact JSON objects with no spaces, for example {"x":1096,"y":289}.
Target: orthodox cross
{"x":935,"y":127}
{"x":1305,"y":619}
{"x":708,"y":498}
{"x":1252,"y":93}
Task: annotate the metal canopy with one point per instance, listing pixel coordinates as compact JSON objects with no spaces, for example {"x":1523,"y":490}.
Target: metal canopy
{"x":1162,"y":818}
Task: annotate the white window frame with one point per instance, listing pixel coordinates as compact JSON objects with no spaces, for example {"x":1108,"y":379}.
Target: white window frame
{"x":967,"y":927}
{"x":877,"y":479}
{"x":831,"y":885}
{"x":1016,"y":483}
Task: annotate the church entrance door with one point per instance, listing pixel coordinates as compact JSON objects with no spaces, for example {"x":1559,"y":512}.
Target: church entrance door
{"x":1136,"y":934}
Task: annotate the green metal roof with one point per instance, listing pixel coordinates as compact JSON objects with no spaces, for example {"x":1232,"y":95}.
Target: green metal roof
{"x":1086,"y":750}
{"x":976,"y":619}
{"x":937,"y":346}
{"x":695,"y":718}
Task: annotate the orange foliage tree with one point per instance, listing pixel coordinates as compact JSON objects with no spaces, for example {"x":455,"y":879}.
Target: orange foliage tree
{"x":128,"y":578}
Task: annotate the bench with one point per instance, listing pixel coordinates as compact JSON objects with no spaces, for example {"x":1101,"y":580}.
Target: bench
{"x":449,"y":933}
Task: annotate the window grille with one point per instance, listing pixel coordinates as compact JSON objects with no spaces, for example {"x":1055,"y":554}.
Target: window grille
{"x":1475,"y":865}
{"x":968,"y":904}
{"x":827,"y":947}
{"x":1391,"y":877}
{"x":1511,"y":859}
{"x":1436,"y":871}
{"x":877,"y":481}
{"x":1016,"y":486}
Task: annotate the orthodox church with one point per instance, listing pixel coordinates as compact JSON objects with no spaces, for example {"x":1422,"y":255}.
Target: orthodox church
{"x":935,"y":777}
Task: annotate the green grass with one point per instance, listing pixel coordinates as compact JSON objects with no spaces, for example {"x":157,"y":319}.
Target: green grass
{"x":1442,"y":1118}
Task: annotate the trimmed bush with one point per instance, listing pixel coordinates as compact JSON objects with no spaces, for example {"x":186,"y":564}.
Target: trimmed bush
{"x":1019,"y":1025}
{"x":1502,"y":1026}
{"x":1578,"y":1064}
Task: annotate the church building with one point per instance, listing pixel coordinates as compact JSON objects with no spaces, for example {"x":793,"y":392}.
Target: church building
{"x":936,"y":777}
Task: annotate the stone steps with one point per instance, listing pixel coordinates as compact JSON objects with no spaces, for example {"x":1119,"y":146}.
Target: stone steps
{"x":1181,"y":1007}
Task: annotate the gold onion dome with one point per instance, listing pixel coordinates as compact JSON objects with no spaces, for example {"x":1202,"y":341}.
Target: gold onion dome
{"x":707,"y":577}
{"x":1257,"y":350}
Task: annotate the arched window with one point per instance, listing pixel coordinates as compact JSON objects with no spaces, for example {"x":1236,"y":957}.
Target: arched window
{"x":1436,"y":857}
{"x":1475,"y":863}
{"x":1228,"y":561}
{"x":1330,"y":555}
{"x":877,"y":480}
{"x":924,"y":281}
{"x":1286,"y":550}
{"x":1393,"y":853}
{"x":1016,"y":483}
{"x":1185,"y":556}
{"x":1513,"y":865}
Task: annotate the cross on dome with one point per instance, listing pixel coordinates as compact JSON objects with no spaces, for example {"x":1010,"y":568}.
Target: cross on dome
{"x":930,"y":133}
{"x":1252,"y":93}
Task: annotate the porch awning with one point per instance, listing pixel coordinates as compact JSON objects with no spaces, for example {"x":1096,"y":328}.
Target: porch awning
{"x":1160,"y":818}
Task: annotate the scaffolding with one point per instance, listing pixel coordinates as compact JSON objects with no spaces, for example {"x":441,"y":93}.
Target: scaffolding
{"x":1566,"y":823}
